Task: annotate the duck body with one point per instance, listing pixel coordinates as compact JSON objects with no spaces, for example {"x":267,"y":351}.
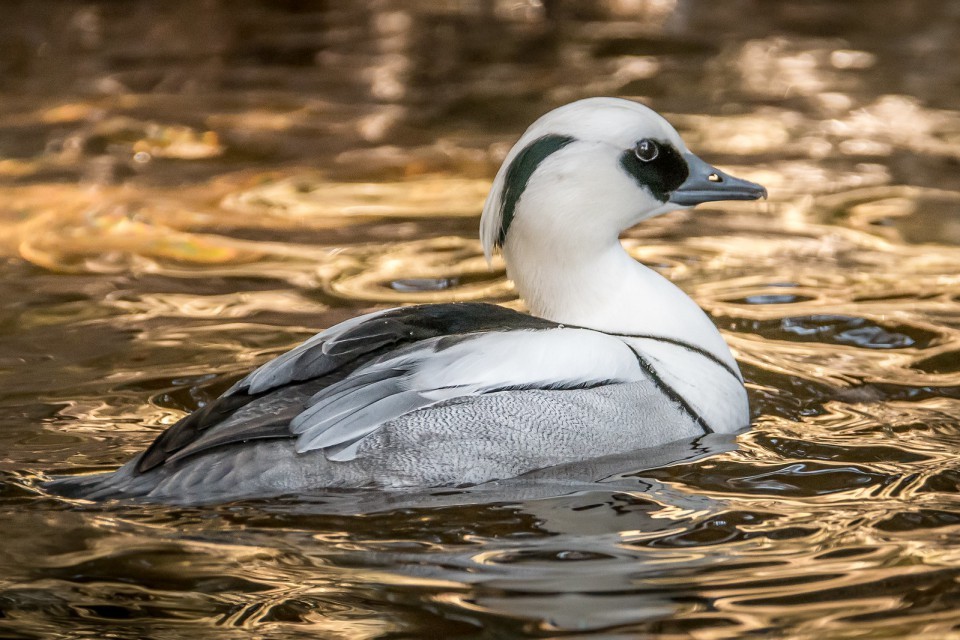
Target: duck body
{"x":612,"y":358}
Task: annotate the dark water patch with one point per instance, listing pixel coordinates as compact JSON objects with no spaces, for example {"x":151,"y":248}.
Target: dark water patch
{"x":115,"y":612}
{"x":551,"y":555}
{"x":798,"y":479}
{"x":894,"y":297}
{"x":410,"y":285}
{"x":111,"y":610}
{"x":464,"y":282}
{"x":14,"y":489}
{"x":691,"y":625}
{"x":917,"y":592}
{"x":361,"y":229}
{"x":790,"y":448}
{"x":445,"y":526}
{"x":60,"y":356}
{"x":917,"y":393}
{"x":943,"y":481}
{"x":836,"y":329}
{"x":776,"y":394}
{"x":188,"y":394}
{"x":195,"y":283}
{"x":921,"y":519}
{"x":728,"y":528}
{"x":946,"y":362}
{"x":646,"y":46}
{"x":161,"y":569}
{"x":848,"y":552}
{"x":771,"y":298}
{"x":933,"y":220}
{"x":49,"y":296}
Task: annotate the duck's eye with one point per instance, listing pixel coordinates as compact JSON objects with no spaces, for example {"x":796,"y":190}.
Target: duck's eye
{"x":646,"y":150}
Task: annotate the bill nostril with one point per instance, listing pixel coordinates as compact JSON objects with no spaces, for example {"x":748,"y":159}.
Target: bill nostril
{"x":713,"y":177}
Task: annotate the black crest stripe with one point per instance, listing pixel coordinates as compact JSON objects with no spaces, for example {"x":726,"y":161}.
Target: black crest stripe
{"x":518,"y":175}
{"x":670,"y":392}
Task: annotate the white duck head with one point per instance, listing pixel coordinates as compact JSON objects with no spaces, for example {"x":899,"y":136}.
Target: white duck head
{"x":577,"y":178}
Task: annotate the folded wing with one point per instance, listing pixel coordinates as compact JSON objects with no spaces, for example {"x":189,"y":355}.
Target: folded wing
{"x":340,"y":416}
{"x":262,"y":405}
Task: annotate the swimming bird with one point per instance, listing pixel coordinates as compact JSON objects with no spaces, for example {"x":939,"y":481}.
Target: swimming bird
{"x":612,"y":356}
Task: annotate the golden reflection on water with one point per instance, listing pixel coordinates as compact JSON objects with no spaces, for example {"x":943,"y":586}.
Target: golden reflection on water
{"x":186,"y":192}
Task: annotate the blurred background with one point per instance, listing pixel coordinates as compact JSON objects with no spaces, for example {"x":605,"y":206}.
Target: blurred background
{"x":190,"y":188}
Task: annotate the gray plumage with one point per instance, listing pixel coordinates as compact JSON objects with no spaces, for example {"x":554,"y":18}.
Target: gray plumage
{"x":424,"y":448}
{"x":361,"y":420}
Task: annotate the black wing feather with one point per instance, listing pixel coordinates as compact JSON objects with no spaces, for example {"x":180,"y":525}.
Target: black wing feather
{"x":323,"y":364}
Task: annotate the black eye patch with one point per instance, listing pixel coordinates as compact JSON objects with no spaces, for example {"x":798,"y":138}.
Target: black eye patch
{"x":662,"y":174}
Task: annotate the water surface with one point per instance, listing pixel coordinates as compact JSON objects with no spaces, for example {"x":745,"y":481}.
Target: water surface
{"x":187,"y":190}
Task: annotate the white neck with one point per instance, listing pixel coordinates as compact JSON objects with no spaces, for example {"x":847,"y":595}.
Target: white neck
{"x":596,"y":284}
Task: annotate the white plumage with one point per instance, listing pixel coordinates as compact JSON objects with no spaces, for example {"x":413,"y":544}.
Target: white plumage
{"x":612,"y":357}
{"x":342,"y":414}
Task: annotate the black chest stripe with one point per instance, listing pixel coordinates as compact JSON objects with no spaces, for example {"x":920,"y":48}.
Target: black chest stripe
{"x":680,"y":343}
{"x":670,"y":392}
{"x":518,"y":175}
{"x":685,"y":345}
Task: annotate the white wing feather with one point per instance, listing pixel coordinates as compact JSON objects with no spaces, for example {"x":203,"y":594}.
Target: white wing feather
{"x":338,"y":417}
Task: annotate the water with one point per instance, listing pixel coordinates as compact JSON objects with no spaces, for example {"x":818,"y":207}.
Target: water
{"x":189,"y":189}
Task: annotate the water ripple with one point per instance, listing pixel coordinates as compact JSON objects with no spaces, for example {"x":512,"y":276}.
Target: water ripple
{"x":186,"y":194}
